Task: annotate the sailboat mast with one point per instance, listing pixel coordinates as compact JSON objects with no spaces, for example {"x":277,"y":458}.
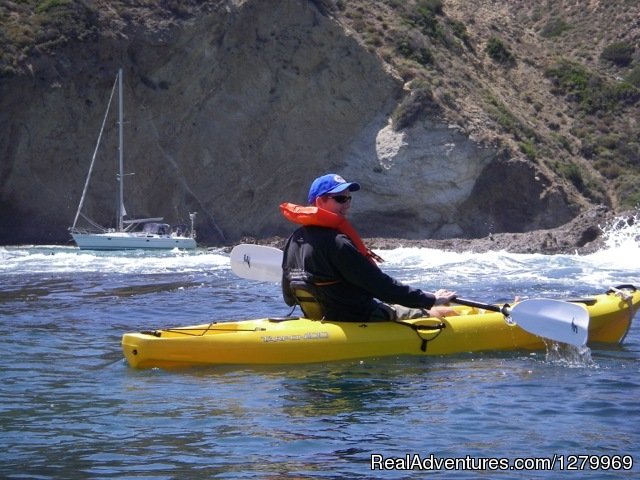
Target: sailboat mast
{"x":95,"y":152}
{"x":120,"y":155}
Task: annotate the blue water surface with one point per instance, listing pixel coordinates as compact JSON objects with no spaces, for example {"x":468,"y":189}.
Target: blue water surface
{"x":72,"y":408}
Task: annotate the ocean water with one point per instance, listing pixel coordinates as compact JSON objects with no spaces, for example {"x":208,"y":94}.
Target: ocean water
{"x":70,"y":407}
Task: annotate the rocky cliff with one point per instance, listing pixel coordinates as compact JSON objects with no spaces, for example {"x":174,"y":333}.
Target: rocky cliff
{"x":232,"y":107}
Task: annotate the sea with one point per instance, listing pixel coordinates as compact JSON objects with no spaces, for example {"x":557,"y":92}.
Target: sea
{"x":71,"y":407}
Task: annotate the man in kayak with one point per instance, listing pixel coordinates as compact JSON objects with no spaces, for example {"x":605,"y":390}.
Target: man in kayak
{"x":327,"y":258}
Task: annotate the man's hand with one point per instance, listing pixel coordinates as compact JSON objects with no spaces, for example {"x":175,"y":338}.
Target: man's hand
{"x":441,"y":312}
{"x":443,"y":297}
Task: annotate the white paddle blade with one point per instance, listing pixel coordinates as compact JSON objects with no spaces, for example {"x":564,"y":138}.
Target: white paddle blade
{"x":554,"y":319}
{"x":257,"y":262}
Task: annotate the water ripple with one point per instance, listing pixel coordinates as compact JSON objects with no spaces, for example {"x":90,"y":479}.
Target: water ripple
{"x":71,"y":408}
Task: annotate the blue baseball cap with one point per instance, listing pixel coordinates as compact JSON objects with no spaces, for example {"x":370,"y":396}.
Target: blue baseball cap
{"x":330,"y":183}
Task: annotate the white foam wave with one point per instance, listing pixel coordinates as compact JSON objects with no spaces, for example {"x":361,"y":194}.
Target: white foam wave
{"x":617,"y":263}
{"x":51,"y":259}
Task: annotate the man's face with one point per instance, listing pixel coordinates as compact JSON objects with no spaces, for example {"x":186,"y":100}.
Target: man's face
{"x":338,"y":203}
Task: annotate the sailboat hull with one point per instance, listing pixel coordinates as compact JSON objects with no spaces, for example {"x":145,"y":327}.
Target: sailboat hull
{"x":131,"y":241}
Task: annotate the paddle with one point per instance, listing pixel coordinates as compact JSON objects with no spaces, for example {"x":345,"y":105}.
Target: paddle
{"x":554,"y":319}
{"x":257,"y":262}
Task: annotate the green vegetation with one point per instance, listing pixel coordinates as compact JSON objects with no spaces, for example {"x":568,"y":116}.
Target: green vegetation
{"x":427,"y":18}
{"x":499,"y":52}
{"x":526,"y":138}
{"x":529,"y":149}
{"x":619,"y":53}
{"x":591,"y":92}
{"x":633,"y":77}
{"x":30,"y":26}
{"x":419,"y":103}
{"x":554,"y":28}
{"x":572,"y":172}
{"x":424,"y":17}
{"x":628,"y":191}
{"x":459,"y":30}
{"x":434,"y":6}
{"x":47,"y":5}
{"x":525,"y":135}
{"x":414,"y":49}
{"x":562,"y":141}
{"x":585,"y":183}
{"x":615,"y":155}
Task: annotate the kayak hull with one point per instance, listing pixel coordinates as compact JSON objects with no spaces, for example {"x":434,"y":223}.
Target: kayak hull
{"x":300,"y":340}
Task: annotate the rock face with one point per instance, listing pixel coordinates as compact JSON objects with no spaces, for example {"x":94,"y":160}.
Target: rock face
{"x":231,"y":113}
{"x":415,"y":181}
{"x":583,"y":235}
{"x":514,"y":196}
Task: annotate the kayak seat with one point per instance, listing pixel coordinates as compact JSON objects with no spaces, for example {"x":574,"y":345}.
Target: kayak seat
{"x":308,"y":302}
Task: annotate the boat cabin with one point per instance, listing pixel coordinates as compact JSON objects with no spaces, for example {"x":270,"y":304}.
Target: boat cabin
{"x":156,"y":229}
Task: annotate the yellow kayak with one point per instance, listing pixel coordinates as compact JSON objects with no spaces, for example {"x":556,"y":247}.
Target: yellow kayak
{"x":300,"y":340}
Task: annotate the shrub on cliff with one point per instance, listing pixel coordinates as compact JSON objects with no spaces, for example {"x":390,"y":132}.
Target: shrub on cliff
{"x":619,"y":53}
{"x":499,"y":52}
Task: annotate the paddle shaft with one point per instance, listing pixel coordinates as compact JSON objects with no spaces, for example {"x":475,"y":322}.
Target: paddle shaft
{"x":504,"y":309}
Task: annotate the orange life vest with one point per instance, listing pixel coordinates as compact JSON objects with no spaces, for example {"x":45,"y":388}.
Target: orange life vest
{"x":319,"y":217}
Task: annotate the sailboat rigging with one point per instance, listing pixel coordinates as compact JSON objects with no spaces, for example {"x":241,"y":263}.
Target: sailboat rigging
{"x":154,"y":233}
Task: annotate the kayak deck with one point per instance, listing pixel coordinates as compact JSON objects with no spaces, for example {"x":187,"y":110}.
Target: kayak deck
{"x":300,"y":340}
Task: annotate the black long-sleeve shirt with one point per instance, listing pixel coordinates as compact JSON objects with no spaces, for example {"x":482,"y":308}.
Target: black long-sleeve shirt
{"x":346,"y":282}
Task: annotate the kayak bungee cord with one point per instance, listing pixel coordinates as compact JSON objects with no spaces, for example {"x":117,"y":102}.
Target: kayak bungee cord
{"x":436,"y":329}
{"x":203,"y":331}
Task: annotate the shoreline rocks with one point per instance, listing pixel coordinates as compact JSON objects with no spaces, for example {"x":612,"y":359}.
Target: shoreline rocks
{"x":582,"y":236}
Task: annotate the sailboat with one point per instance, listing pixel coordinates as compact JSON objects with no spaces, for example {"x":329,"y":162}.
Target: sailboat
{"x":127,"y":234}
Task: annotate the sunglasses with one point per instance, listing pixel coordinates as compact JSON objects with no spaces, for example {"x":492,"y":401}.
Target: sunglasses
{"x":341,"y":198}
